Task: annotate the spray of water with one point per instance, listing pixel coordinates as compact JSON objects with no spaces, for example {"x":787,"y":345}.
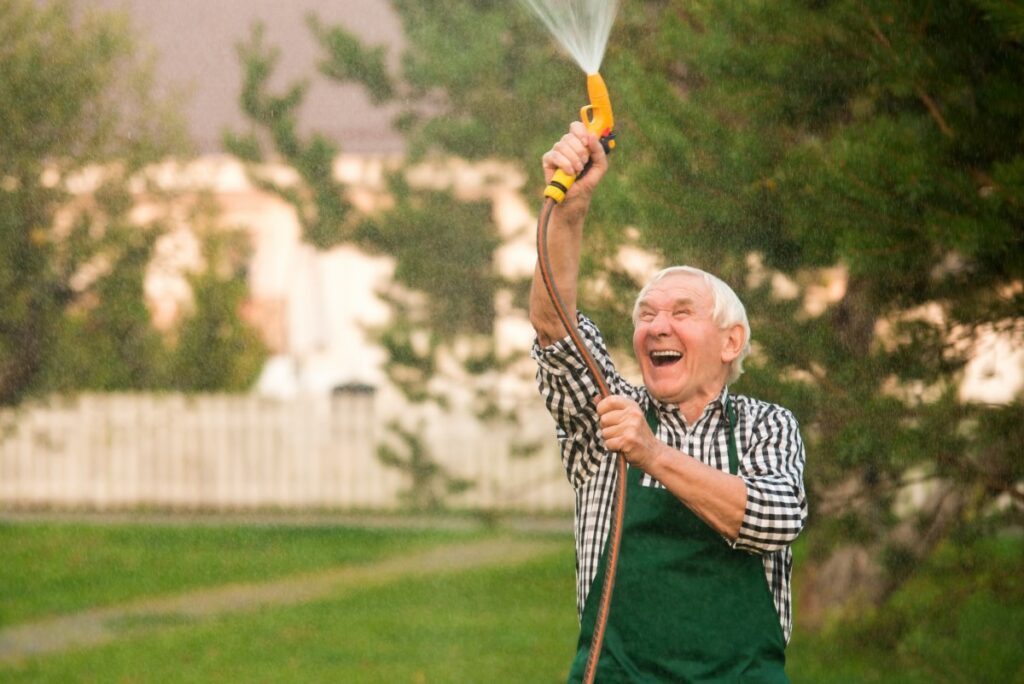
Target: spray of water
{"x":580,"y":26}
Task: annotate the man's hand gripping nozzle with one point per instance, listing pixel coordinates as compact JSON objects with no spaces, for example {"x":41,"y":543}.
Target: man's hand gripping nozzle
{"x":597,"y":116}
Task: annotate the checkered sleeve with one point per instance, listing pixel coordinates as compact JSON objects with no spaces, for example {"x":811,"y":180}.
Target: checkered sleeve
{"x":772,"y":468}
{"x":569,"y":392}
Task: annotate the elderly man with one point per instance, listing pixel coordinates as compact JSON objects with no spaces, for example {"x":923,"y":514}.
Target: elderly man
{"x":715,"y":490}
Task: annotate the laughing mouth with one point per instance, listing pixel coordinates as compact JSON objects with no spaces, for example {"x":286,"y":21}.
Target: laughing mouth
{"x":665,"y":357}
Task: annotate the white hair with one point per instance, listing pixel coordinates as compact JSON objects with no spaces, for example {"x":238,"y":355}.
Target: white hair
{"x":727,"y":310}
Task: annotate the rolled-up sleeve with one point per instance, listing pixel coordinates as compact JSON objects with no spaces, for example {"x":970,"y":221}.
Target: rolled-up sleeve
{"x":569,"y":391}
{"x":773,"y":468}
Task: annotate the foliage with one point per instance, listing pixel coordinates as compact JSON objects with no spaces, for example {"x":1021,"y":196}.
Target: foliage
{"x":80,"y":124}
{"x":949,"y":624}
{"x":443,"y":248}
{"x":105,"y":340}
{"x":322,"y":210}
{"x":784,"y":146}
{"x":443,"y":274}
{"x":430,"y":484}
{"x":71,"y":94}
{"x":348,"y":60}
{"x":444,"y":283}
{"x":875,"y":142}
{"x":216,"y":349}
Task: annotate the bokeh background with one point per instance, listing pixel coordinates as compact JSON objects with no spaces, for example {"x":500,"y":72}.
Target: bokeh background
{"x":267,"y":405}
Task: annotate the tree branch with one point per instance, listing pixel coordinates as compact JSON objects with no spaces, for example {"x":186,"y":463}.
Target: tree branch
{"x":926,"y":99}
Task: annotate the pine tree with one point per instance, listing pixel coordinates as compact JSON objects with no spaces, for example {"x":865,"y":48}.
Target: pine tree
{"x":873,"y":145}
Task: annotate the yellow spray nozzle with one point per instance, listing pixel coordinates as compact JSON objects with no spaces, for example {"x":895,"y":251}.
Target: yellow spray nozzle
{"x":598,"y":114}
{"x":597,"y":117}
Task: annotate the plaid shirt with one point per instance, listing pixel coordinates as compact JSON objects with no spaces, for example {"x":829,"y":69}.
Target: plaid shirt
{"x":769,"y":445}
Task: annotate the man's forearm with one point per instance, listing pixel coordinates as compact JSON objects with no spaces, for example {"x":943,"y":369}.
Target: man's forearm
{"x":570,"y":154}
{"x":718,"y":498}
{"x":722,"y":500}
{"x":564,"y":238}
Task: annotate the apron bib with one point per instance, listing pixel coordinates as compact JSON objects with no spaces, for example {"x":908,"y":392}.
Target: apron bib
{"x":686,"y":607}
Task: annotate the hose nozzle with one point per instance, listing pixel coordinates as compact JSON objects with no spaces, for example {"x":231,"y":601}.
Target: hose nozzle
{"x":597,"y":117}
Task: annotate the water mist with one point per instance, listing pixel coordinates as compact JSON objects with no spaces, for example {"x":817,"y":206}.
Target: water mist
{"x":580,"y":26}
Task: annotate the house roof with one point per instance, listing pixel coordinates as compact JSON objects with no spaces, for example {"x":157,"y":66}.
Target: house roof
{"x":195,"y":48}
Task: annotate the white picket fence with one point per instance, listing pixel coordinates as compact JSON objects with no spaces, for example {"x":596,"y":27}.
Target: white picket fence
{"x":237,"y":452}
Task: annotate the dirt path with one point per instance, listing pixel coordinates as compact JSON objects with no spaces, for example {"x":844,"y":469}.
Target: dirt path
{"x":95,"y":627}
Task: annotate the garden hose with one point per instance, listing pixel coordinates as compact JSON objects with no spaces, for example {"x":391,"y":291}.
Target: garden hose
{"x":597,"y":116}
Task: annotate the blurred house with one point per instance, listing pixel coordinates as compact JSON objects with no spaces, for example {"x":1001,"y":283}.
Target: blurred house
{"x":313,"y":308}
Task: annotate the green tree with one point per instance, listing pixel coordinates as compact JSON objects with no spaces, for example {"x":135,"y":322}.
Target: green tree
{"x":80,"y":122}
{"x":443,"y":248}
{"x":104,"y":340}
{"x":216,"y":349}
{"x":445,"y":282}
{"x":73,"y":96}
{"x":873,"y":143}
{"x":773,"y":140}
{"x":430,"y":484}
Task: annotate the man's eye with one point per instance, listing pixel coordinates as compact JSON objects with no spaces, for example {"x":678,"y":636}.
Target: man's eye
{"x":681,"y":313}
{"x":647,"y":316}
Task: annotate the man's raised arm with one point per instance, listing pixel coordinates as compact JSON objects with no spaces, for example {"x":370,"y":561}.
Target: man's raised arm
{"x":565,"y":231}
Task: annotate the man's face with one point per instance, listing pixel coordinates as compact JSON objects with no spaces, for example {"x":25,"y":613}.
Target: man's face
{"x":682,"y":353}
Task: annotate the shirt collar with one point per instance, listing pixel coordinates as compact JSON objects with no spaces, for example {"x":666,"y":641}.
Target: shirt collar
{"x":718,"y":403}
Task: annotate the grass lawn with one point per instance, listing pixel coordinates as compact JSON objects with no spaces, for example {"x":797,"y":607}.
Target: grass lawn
{"x":514,"y":625}
{"x":960,"y":620}
{"x":57,"y":568}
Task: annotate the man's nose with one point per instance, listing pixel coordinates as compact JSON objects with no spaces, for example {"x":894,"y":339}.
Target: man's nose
{"x":660,"y":324}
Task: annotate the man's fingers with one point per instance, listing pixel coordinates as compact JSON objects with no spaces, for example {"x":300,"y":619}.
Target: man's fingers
{"x":569,"y":154}
{"x":556,"y":159}
{"x":578,"y":129}
{"x":621,"y":437}
{"x":594,"y":149}
{"x":614,"y":402}
{"x":574,"y":149}
{"x":614,"y":438}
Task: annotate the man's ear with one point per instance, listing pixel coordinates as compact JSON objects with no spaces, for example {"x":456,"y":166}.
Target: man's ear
{"x":732,"y":343}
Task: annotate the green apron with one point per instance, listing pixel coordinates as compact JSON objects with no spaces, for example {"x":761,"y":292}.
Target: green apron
{"x":686,"y":607}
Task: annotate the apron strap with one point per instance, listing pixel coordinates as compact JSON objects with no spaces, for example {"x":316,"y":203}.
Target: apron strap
{"x":731,"y":418}
{"x":652,"y":417}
